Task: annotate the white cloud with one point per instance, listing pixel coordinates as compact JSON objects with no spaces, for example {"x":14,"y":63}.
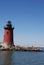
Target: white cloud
{"x":30,"y":43}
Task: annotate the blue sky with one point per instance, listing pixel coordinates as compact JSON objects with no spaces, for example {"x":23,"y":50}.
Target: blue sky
{"x":27,"y":16}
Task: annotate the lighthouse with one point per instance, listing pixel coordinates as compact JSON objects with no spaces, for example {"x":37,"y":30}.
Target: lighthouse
{"x":8,"y":40}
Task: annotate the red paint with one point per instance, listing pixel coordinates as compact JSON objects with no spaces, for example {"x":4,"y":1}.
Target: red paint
{"x":8,"y":35}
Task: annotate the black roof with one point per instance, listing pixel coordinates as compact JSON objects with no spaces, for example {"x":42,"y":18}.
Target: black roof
{"x":9,"y":25}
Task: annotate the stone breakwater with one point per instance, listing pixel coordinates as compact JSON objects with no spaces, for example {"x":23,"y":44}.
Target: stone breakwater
{"x":20,"y":48}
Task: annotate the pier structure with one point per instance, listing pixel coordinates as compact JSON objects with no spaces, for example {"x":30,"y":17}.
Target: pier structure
{"x":8,"y":40}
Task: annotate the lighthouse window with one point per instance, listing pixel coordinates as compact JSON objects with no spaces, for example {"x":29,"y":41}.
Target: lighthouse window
{"x":7,"y":32}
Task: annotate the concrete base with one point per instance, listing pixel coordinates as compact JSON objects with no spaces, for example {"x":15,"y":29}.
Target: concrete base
{"x":6,"y":45}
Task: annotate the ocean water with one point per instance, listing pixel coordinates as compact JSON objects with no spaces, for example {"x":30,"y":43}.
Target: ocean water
{"x":21,"y":58}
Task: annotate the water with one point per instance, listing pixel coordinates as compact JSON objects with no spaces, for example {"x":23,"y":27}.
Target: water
{"x":21,"y":58}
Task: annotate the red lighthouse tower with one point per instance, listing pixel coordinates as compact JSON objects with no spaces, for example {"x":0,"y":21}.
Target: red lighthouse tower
{"x":8,"y":35}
